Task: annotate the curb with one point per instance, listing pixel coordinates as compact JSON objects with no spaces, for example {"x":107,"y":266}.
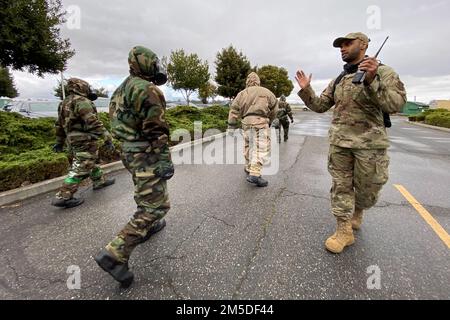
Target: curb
{"x":428,"y":126}
{"x":23,"y":193}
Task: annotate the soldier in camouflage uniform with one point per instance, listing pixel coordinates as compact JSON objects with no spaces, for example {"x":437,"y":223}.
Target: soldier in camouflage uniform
{"x":79,"y":126}
{"x":137,"y":111}
{"x":284,"y":111}
{"x":257,"y":107}
{"x":358,"y":160}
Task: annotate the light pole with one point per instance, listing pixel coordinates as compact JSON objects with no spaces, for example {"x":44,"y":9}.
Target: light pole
{"x":62,"y":87}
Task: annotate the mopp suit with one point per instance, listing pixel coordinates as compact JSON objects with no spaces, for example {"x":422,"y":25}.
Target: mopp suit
{"x":79,"y":127}
{"x":257,"y":107}
{"x":284,"y":115}
{"x":137,"y":111}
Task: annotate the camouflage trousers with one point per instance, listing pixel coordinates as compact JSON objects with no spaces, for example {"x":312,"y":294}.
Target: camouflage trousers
{"x":284,"y":122}
{"x":358,"y":176}
{"x":152,"y":199}
{"x":84,"y":165}
{"x":256,"y":147}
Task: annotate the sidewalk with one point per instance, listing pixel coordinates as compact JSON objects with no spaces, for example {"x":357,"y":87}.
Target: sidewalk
{"x":428,"y":126}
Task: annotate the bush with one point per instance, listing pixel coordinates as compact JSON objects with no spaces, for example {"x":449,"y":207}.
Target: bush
{"x":20,"y":134}
{"x":431,"y":111}
{"x":31,"y":167}
{"x":422,"y":115}
{"x":104,"y":118}
{"x":440,"y":119}
{"x":183,"y":117}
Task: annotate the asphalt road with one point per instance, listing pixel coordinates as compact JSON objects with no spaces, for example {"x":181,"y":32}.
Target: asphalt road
{"x":226,"y":239}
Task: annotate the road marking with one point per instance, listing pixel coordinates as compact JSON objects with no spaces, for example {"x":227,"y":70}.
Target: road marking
{"x":425,"y":215}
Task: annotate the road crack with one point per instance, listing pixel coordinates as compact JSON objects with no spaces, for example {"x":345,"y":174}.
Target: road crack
{"x":223,"y":221}
{"x":267,"y":222}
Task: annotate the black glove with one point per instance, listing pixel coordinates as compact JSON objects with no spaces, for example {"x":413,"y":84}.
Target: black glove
{"x":292,"y":120}
{"x":164,"y":169}
{"x":109,"y":146}
{"x":58,"y":148}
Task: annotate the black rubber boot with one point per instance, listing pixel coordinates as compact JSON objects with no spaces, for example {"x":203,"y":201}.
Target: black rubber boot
{"x":107,"y":182}
{"x":67,"y":203}
{"x":260,"y":182}
{"x":155,"y":228}
{"x":119,"y":271}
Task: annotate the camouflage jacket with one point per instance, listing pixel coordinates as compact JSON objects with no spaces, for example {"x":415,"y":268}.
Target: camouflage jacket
{"x":284,"y":111}
{"x":255,"y":105}
{"x":137,"y":110}
{"x":78,"y":122}
{"x":358,"y":114}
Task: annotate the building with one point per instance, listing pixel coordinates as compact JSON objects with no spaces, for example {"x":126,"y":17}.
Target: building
{"x":440,"y":104}
{"x":412,"y":107}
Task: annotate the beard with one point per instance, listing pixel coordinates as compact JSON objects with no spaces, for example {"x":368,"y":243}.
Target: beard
{"x":351,"y":56}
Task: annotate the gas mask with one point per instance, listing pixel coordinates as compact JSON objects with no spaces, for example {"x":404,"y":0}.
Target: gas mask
{"x":160,"y":76}
{"x":92,"y":95}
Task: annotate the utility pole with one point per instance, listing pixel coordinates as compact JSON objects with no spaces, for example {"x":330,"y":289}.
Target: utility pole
{"x":62,"y":87}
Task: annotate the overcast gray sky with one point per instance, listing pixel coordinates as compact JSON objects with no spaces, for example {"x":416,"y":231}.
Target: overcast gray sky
{"x":285,"y":33}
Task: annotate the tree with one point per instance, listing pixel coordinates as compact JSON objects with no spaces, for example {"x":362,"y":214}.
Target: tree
{"x":186,"y":73}
{"x":232,"y":69}
{"x":207,"y":90}
{"x":7,"y":87}
{"x":30,"y":37}
{"x":101,"y":92}
{"x":275,"y":79}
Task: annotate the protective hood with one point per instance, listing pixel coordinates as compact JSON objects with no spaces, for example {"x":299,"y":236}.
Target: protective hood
{"x":253,"y":80}
{"x":78,"y":86}
{"x":145,"y":64}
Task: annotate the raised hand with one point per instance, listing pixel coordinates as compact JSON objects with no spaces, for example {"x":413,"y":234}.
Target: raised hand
{"x":303,"y":80}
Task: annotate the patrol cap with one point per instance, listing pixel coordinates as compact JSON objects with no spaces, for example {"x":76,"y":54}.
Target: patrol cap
{"x":351,"y":36}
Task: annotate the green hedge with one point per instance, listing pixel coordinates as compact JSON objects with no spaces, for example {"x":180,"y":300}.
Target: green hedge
{"x":431,"y":111}
{"x":19,"y":134}
{"x":417,"y":117}
{"x":183,"y":117}
{"x":437,"y":114}
{"x":440,"y":119}
{"x":32,"y":166}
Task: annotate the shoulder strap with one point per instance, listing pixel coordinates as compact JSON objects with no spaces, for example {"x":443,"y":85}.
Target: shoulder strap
{"x":338,"y":79}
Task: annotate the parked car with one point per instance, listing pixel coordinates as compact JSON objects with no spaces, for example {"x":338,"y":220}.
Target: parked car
{"x":33,"y":109}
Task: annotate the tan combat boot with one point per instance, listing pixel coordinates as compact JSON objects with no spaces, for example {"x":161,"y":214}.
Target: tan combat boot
{"x":342,"y":238}
{"x":357,"y":219}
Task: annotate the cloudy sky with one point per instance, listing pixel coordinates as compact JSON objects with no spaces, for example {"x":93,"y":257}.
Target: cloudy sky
{"x":287,"y":33}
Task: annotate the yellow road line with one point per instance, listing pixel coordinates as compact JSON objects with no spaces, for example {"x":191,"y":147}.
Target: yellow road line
{"x":425,"y":215}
